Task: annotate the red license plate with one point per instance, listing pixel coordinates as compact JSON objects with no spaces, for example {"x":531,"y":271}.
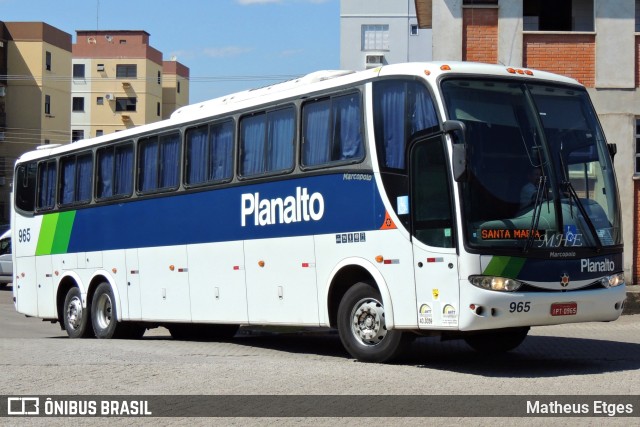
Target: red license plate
{"x":564,"y":309}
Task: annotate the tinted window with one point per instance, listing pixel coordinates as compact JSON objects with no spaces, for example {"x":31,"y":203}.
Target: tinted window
{"x":46,"y":185}
{"x":209,"y":152}
{"x":159,"y":162}
{"x":115,"y":171}
{"x":332,"y":130}
{"x":267,"y":142}
{"x":75,"y":179}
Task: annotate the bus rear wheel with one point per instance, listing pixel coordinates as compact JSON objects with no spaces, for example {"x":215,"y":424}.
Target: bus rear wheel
{"x":75,"y":317}
{"x":362,"y":326}
{"x":499,"y":341}
{"x":104,"y":316}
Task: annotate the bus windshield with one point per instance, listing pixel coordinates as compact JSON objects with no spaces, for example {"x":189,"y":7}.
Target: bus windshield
{"x":539,"y":175}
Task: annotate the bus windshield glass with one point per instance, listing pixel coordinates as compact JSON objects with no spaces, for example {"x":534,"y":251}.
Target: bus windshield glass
{"x":539,"y":175}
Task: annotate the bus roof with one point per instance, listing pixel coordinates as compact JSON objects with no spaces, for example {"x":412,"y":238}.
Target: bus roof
{"x":308,"y":84}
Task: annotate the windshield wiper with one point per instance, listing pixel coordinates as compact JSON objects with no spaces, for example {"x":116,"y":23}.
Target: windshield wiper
{"x":592,"y":228}
{"x":537,"y":210}
{"x":573,"y":196}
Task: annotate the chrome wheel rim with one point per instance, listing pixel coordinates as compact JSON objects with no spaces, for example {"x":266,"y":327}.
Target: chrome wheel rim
{"x":104,"y":311}
{"x":368,"y":324}
{"x":74,"y":313}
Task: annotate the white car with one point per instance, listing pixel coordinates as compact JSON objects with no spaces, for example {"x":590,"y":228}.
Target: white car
{"x":6,"y":259}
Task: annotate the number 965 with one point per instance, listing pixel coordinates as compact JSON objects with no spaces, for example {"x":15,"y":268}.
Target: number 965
{"x":24,"y":235}
{"x":519,"y":307}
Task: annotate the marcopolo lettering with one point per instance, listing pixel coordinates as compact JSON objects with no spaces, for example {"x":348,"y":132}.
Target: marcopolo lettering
{"x":604,"y":266}
{"x":301,"y":207}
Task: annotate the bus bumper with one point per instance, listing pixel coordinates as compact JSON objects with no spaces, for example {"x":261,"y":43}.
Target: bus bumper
{"x":483,"y":309}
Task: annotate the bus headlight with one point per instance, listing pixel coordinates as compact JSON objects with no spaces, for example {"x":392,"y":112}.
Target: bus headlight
{"x":613,"y":280}
{"x":494,"y":283}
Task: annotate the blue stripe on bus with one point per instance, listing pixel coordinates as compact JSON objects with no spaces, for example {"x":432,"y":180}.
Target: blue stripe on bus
{"x":351,"y":202}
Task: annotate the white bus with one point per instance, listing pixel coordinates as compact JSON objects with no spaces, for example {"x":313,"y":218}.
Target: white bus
{"x":462,"y":200}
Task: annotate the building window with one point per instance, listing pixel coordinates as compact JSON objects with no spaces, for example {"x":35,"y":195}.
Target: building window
{"x":125,"y":104}
{"x":159,"y":77}
{"x":100,"y":100}
{"x":77,"y":135}
{"x":413,"y":30}
{"x":47,"y":104}
{"x":637,"y":16}
{"x":552,"y":15}
{"x":178,"y":86}
{"x":158,"y":109}
{"x":78,"y":71}
{"x":99,"y":132}
{"x":48,"y":61}
{"x":78,"y":103}
{"x":375,"y":37}
{"x":638,"y":146}
{"x":123,"y":41}
{"x":124,"y":71}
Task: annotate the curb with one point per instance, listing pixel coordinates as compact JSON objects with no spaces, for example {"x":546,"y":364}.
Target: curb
{"x":632,"y":305}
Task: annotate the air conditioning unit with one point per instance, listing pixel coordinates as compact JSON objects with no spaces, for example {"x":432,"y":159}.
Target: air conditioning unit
{"x":125,"y":118}
{"x":374,"y":60}
{"x":109,"y":96}
{"x":126,"y":85}
{"x":3,"y":91}
{"x":100,"y":67}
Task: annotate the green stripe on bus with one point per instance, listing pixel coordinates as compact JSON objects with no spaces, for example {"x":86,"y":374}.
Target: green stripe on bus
{"x":47,"y":232}
{"x":504,"y":266}
{"x":55,"y":233}
{"x":63,"y":232}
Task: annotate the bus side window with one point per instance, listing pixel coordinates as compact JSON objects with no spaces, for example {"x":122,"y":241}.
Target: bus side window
{"x":332,"y":130}
{"x":46,"y":185}
{"x":26,"y":187}
{"x":159,"y":162}
{"x":267,"y":142}
{"x":114,"y":171}
{"x":76,"y":179}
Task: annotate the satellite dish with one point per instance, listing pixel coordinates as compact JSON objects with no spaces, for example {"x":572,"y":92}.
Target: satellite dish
{"x":109,"y":38}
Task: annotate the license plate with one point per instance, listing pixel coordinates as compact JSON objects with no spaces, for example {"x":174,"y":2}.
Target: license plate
{"x":564,"y":309}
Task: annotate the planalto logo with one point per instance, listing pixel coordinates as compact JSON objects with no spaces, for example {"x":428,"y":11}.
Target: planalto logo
{"x":604,"y":266}
{"x":295,"y":208}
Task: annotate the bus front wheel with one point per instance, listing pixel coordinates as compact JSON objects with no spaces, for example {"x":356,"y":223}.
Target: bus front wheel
{"x":75,"y":317}
{"x":362,"y":326}
{"x":498,"y":341}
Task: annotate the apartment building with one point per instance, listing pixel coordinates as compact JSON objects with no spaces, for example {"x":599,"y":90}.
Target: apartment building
{"x":378,"y":32}
{"x":120,"y":81}
{"x":175,"y":87}
{"x":35,"y":102}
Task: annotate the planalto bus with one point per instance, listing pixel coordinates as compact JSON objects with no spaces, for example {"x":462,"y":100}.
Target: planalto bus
{"x":456,"y":199}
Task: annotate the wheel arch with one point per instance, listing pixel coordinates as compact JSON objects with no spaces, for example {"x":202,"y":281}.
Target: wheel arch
{"x":99,"y":277}
{"x":346,"y":274}
{"x":68,"y":281}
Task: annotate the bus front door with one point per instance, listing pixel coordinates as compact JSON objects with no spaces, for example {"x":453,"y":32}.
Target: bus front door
{"x":433,"y":235}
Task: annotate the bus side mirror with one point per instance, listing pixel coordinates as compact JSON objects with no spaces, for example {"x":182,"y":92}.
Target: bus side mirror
{"x":613,"y":150}
{"x":457,"y":130}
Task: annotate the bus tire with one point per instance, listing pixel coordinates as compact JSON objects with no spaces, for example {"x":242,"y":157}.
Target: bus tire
{"x":103,"y":313}
{"x":362,"y":328}
{"x":499,"y":341}
{"x":76,"y":319}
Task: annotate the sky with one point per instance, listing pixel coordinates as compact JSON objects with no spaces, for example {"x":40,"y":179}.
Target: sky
{"x":228,"y":45}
